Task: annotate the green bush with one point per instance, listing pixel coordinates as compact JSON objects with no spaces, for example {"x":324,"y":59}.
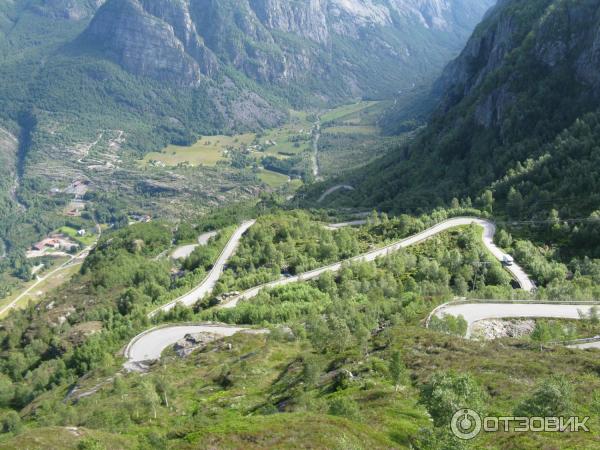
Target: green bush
{"x":344,"y":407}
{"x":552,"y":398}
{"x":11,"y":422}
{"x":447,"y":392}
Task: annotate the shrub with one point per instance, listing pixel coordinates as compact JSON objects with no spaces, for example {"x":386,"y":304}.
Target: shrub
{"x":11,"y":422}
{"x":447,"y":392}
{"x":344,"y":407}
{"x":553,"y":398}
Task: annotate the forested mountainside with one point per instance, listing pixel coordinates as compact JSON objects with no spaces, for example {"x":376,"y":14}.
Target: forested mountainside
{"x":519,"y":119}
{"x":174,"y":306}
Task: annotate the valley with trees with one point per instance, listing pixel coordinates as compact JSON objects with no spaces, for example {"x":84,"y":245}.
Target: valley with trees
{"x":328,"y":224}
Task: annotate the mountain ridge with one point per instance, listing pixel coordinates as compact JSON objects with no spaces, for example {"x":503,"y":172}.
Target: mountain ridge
{"x":525,"y":81}
{"x":271,"y":41}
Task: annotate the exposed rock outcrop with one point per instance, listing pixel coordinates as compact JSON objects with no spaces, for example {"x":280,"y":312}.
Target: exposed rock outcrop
{"x":307,"y":19}
{"x":9,"y":182}
{"x":567,"y":36}
{"x":337,"y":47}
{"x":496,"y":329}
{"x":142,"y":43}
{"x":192,"y":342}
{"x":483,"y":54}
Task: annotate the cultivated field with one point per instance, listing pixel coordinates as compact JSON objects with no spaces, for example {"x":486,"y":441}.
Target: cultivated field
{"x":273,"y":179}
{"x":207,"y":151}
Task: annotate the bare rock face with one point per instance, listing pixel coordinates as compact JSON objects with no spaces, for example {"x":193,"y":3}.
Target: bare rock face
{"x":434,"y":13}
{"x":349,"y":16}
{"x":145,"y":44}
{"x":9,"y":146}
{"x":306,"y":18}
{"x":339,"y":44}
{"x":483,"y":54}
{"x":565,"y":37}
{"x":572,"y":34}
{"x":177,"y":14}
{"x":492,"y":109}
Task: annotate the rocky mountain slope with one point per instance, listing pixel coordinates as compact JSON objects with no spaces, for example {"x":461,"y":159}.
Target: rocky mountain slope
{"x":334,"y":48}
{"x":65,"y":9}
{"x":169,"y":70}
{"x":8,"y":163}
{"x":518,"y":117}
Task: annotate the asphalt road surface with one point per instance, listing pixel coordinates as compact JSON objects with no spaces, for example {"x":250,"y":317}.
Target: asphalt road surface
{"x":333,"y":189}
{"x":149,"y":345}
{"x":474,"y":312}
{"x":488,"y":234}
{"x":213,"y":276}
{"x":184,"y":251}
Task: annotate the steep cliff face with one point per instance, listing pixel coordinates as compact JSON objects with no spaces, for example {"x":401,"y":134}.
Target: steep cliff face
{"x":483,"y":54}
{"x":528,"y":73}
{"x":167,"y":71}
{"x":558,"y":36}
{"x":306,"y":19}
{"x":154,"y":38}
{"x":337,"y":47}
{"x":9,"y":146}
{"x":177,"y":14}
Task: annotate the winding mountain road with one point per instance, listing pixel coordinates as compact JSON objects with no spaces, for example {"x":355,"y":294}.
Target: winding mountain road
{"x":213,"y":276}
{"x":339,"y":226}
{"x":185,"y":251}
{"x":149,"y":345}
{"x":489,"y":230}
{"x":595,"y":344}
{"x":475,"y":312}
{"x":333,"y":189}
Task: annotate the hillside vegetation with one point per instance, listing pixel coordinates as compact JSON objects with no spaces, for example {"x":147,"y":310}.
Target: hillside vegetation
{"x":347,"y":361}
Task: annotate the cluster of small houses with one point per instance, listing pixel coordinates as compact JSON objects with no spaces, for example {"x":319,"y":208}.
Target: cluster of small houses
{"x":57,"y":242}
{"x":60,"y":242}
{"x":251,"y":148}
